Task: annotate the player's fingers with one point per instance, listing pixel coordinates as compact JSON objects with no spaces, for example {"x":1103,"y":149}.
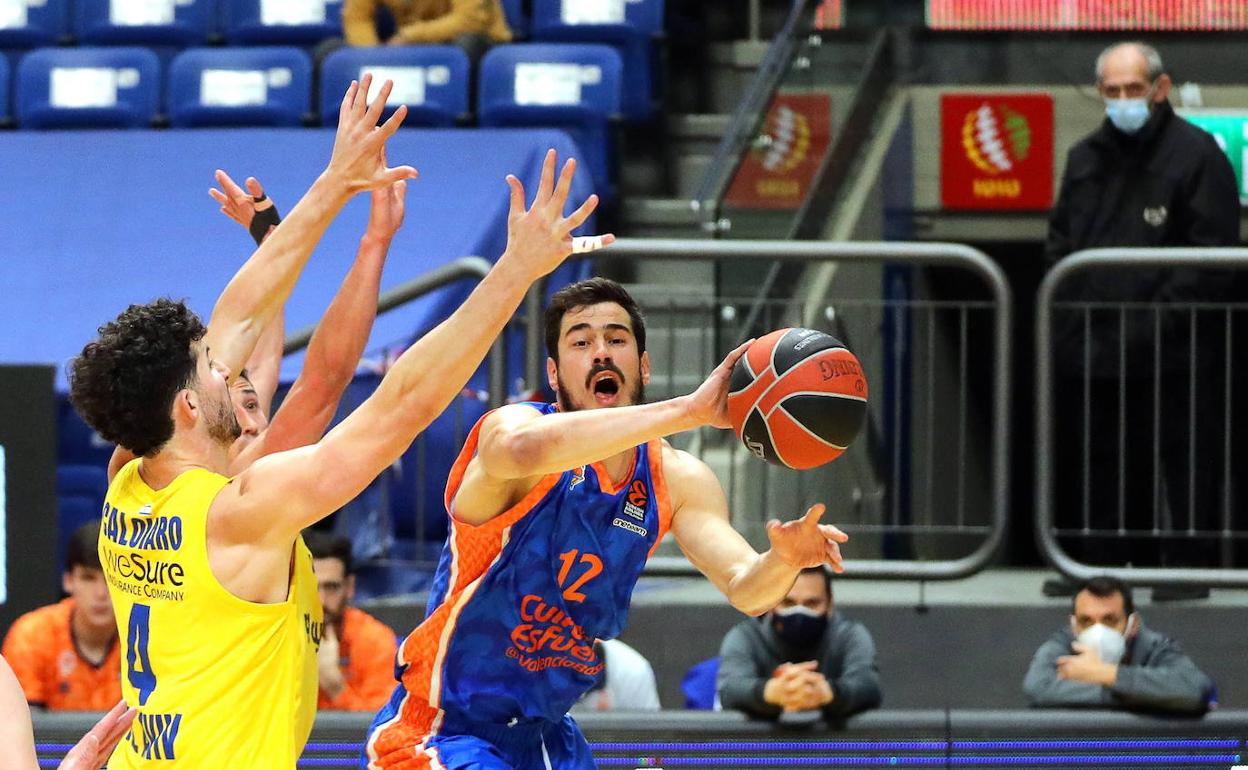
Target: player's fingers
{"x":584,"y":244}
{"x":393,"y":122}
{"x":833,"y":533}
{"x":560,"y":198}
{"x":118,"y":730}
{"x":360,"y":105}
{"x":228,"y":185}
{"x":348,"y":101}
{"x":1078,"y":646}
{"x":219,"y":197}
{"x":397,"y":173}
{"x":379,"y":103}
{"x":398,"y":191}
{"x":813,"y":513}
{"x":731,"y":359}
{"x":834,"y":558}
{"x":547,"y":183}
{"x":253,"y":187}
{"x":517,"y":196}
{"x":578,"y":217}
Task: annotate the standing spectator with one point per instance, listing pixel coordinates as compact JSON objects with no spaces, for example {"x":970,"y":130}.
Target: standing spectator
{"x":66,"y":655}
{"x":473,"y":25}
{"x":356,"y":655}
{"x":626,"y":683}
{"x":804,"y":656}
{"x":1107,"y":658}
{"x":1145,"y":178}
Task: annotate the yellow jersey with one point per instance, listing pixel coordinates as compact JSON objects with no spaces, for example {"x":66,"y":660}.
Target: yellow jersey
{"x":219,"y":682}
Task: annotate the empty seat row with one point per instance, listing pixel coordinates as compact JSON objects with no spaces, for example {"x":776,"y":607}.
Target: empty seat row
{"x":573,"y":87}
{"x":628,"y":25}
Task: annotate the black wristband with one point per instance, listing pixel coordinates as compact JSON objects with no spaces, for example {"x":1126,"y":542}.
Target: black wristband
{"x":262,"y":222}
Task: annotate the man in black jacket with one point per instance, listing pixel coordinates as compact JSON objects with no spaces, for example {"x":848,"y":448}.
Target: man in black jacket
{"x":1146,"y":177}
{"x":803,"y":657}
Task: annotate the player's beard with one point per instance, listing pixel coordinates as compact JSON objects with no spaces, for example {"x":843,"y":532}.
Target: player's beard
{"x":222,"y":425}
{"x":566,"y":404}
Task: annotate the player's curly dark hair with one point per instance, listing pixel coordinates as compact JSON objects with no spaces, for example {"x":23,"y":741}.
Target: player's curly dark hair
{"x":124,"y":381}
{"x":583,"y":294}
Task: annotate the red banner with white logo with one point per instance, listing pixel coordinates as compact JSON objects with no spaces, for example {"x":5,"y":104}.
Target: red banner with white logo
{"x":778,"y":172}
{"x":996,"y":151}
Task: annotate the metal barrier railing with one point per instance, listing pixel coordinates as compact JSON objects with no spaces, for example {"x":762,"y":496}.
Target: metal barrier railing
{"x":929,"y":491}
{"x":1141,"y":387}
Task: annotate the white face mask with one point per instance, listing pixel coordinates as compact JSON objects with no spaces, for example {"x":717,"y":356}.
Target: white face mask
{"x":1108,"y":642}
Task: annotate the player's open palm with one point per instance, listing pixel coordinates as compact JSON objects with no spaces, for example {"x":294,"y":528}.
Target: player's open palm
{"x":805,"y":542}
{"x":709,"y":403}
{"x":385,"y":217}
{"x":97,"y":745}
{"x":540,"y":238}
{"x":359,"y":159}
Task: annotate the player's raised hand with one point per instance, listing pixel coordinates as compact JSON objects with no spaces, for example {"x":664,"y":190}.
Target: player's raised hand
{"x":359,"y":160}
{"x":805,"y":542}
{"x":385,"y":217}
{"x":708,"y":405}
{"x":97,"y":745}
{"x":540,"y":238}
{"x":239,"y":204}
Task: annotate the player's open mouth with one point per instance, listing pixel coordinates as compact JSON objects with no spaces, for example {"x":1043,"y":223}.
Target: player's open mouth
{"x":606,"y":388}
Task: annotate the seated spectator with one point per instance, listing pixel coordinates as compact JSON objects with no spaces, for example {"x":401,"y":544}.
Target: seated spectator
{"x":1108,"y":659}
{"x":66,"y":655}
{"x":626,"y":683}
{"x":356,"y":656}
{"x":802,"y":656}
{"x":473,"y":25}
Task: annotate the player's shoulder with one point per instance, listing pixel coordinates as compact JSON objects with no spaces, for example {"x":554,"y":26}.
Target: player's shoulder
{"x":683,"y":471}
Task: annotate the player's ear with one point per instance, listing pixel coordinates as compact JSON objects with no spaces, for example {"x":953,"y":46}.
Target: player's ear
{"x":185,"y":405}
{"x":552,"y":374}
{"x":645,"y":368}
{"x":67,"y":581}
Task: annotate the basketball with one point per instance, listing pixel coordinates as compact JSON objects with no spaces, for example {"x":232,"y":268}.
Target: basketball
{"x":797,"y":398}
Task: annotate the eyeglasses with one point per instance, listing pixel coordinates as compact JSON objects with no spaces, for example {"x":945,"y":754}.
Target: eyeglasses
{"x":1129,"y":91}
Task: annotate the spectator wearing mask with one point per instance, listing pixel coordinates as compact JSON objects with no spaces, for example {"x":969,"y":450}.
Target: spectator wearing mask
{"x":356,"y":656}
{"x":66,"y":655}
{"x":1108,"y":659}
{"x":803,"y":656}
{"x":626,"y":683}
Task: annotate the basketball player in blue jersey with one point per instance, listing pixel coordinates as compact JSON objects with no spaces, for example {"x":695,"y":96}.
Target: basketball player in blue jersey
{"x":554,"y":510}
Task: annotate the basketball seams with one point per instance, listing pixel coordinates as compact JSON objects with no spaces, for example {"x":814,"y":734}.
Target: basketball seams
{"x":806,"y":430}
{"x":780,"y":378}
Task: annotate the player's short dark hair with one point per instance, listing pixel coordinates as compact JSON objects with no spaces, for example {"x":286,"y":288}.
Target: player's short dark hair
{"x":1104,"y":586}
{"x":824,"y":574}
{"x":583,"y":294}
{"x":82,"y":550}
{"x":124,"y":381}
{"x":324,"y":545}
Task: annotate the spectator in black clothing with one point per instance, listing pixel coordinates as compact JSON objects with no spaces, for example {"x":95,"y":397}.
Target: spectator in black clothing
{"x":1145,"y":178}
{"x":803,"y":656}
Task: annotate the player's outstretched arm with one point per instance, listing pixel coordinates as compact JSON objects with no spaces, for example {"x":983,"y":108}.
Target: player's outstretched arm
{"x":260,"y":288}
{"x":517,"y":442}
{"x":285,"y":492}
{"x":753,"y":582}
{"x":338,"y":342}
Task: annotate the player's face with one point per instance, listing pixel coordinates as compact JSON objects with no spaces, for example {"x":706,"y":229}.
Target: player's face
{"x":599,"y":365}
{"x":247,"y":412}
{"x":334,"y":586}
{"x":1109,"y":611}
{"x":215,"y":402}
{"x":810,"y":592}
{"x":90,"y":594}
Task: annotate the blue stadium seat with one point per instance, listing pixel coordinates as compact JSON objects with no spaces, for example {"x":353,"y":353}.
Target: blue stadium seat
{"x":239,"y":87}
{"x":4,"y":89}
{"x":572,"y":87}
{"x":80,"y":493}
{"x":30,"y":25}
{"x":87,"y":88}
{"x":517,"y":19}
{"x":699,"y":685}
{"x":632,"y":35}
{"x":281,"y":22}
{"x":139,"y":22}
{"x":431,"y":80}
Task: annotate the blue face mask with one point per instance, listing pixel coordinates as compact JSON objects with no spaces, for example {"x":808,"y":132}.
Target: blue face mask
{"x":1127,"y":115}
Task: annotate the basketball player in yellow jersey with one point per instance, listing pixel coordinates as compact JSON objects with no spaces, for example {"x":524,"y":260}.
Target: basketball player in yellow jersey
{"x":216,"y":605}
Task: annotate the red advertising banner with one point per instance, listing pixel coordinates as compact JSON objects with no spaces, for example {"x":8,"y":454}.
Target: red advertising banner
{"x":996,"y":151}
{"x":777,"y":174}
{"x":1173,"y":15}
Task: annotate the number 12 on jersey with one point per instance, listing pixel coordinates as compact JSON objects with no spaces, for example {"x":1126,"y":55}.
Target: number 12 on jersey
{"x":138,"y":663}
{"x":593,"y":566}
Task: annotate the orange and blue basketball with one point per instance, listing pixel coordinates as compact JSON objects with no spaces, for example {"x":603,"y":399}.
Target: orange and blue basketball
{"x":797,"y":398}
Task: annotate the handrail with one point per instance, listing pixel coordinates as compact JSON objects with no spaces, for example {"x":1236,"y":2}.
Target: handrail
{"x":455,"y":270}
{"x":749,"y":114}
{"x":940,"y":254}
{"x":1078,"y":262}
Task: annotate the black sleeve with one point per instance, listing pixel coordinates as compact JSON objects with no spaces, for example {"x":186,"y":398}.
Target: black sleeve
{"x":857,"y":686}
{"x":1057,"y":244}
{"x":1213,"y":199}
{"x":741,"y":680}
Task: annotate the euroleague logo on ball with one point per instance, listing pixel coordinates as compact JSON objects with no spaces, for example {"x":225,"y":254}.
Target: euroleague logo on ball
{"x":797,"y":398}
{"x":995,"y":139}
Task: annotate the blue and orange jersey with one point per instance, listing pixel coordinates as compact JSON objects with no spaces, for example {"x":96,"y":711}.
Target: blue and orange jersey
{"x":517,"y":602}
